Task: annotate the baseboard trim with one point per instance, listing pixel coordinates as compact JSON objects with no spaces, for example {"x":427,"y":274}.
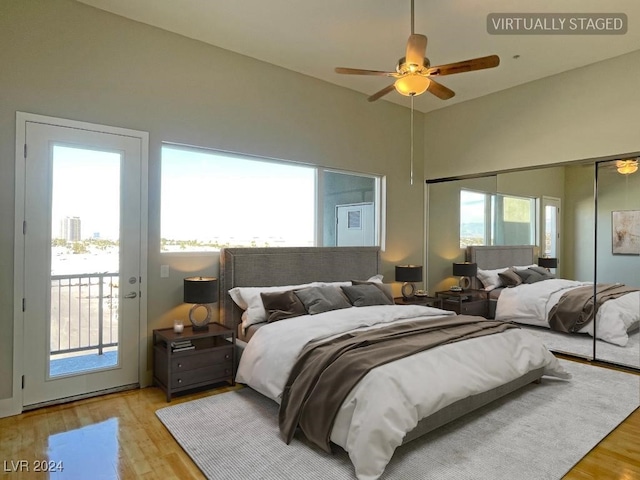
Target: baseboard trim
{"x":84,"y":396}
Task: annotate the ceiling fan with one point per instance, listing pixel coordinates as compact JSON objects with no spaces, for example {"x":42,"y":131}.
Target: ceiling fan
{"x":624,"y":166}
{"x":414,"y":73}
{"x":627,"y":166}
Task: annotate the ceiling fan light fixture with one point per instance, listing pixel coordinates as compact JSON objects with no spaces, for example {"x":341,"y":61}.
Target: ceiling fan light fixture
{"x":411,"y":85}
{"x":627,"y":167}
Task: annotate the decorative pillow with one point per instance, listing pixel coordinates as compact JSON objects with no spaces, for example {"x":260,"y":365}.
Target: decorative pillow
{"x":383,"y":287}
{"x":529,"y":276}
{"x":542,"y":271}
{"x":524,"y":274}
{"x":490,"y":278}
{"x":249,"y":300}
{"x":281,"y":305}
{"x":322,"y":299}
{"x":510,"y":278}
{"x":366,"y":294}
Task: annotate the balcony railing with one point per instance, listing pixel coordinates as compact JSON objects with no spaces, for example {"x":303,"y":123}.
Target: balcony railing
{"x":84,"y":313}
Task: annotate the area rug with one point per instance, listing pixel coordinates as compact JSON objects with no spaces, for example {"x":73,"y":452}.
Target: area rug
{"x":536,"y":433}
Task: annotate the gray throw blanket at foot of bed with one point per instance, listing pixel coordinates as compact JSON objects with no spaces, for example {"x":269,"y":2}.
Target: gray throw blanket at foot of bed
{"x":576,"y":307}
{"x":326,"y":372}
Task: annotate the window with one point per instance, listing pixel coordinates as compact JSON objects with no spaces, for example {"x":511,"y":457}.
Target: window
{"x":515,"y":221}
{"x":495,"y":219}
{"x":213,"y":199}
{"x":473,"y":215}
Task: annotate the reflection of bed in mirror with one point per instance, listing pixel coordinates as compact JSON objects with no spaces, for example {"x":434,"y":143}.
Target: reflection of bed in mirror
{"x":536,"y":304}
{"x":421,"y":398}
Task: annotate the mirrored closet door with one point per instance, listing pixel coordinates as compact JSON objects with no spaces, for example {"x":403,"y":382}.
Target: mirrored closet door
{"x":617,"y":254}
{"x":589,"y":196}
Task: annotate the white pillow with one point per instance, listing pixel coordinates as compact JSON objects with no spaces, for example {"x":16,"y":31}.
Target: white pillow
{"x":376,"y":278}
{"x":490,"y":278}
{"x":249,"y":299}
{"x":523,"y":267}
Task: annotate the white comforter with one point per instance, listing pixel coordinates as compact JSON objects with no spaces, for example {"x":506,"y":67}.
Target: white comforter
{"x":390,"y":400}
{"x":530,"y":304}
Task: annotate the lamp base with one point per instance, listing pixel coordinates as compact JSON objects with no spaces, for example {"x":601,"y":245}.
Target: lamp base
{"x":200,"y":323}
{"x":408,"y":290}
{"x":465,"y":283}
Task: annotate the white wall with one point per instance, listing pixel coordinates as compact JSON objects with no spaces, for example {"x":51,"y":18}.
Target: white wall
{"x":65,"y":59}
{"x":616,"y":193}
{"x":587,"y":113}
{"x":590,"y":112}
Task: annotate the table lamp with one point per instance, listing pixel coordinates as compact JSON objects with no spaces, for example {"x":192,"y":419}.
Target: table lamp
{"x":465,"y":271}
{"x":202,"y":292}
{"x":408,"y":274}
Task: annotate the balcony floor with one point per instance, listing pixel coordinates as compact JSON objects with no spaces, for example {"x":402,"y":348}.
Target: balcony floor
{"x":83,"y":363}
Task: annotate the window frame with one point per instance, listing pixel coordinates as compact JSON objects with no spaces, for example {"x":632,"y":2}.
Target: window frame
{"x":491,"y":212}
{"x":319,"y":194}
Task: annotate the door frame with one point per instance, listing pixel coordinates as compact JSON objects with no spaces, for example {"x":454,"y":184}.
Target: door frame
{"x":557,"y":203}
{"x":14,"y":405}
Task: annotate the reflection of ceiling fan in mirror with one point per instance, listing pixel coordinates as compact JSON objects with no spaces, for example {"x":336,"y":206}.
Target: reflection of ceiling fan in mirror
{"x":625,"y":166}
{"x":628,"y":166}
{"x":414,"y":73}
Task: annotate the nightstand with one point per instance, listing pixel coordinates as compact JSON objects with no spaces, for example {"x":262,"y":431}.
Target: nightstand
{"x":419,"y":300}
{"x":191,"y":359}
{"x":466,"y":302}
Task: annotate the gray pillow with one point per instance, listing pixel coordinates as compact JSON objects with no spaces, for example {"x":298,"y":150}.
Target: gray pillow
{"x":322,"y":299}
{"x":366,"y":294}
{"x":281,"y":305}
{"x":543,"y":271}
{"x":510,"y":278}
{"x":384,"y":287}
{"x":529,"y":276}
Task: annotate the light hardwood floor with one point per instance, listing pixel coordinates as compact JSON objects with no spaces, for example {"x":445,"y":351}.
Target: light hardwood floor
{"x":118,"y":436}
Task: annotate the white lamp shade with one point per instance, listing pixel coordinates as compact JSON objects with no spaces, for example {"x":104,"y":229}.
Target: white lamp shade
{"x":627,"y":167}
{"x":412,"y":85}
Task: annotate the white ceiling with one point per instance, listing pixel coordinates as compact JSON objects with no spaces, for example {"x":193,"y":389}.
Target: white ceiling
{"x":313,"y":37}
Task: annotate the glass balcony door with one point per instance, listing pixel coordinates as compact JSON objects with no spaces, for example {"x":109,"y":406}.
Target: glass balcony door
{"x":82,"y":262}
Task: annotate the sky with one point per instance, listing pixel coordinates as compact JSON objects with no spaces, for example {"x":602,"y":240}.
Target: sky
{"x":204,"y":196}
{"x":210,"y":195}
{"x":86,"y":184}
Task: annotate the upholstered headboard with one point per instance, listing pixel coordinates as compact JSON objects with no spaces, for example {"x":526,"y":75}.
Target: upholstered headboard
{"x":500,"y":256}
{"x":261,"y":267}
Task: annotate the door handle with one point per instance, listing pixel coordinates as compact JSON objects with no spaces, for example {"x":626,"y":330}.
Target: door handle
{"x":131,"y":295}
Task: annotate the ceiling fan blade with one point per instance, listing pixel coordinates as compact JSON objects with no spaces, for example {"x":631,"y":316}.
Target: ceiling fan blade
{"x":416,"y":49}
{"x":440,"y":90}
{"x":465,"y":66}
{"x":381,"y":93}
{"x":358,"y":71}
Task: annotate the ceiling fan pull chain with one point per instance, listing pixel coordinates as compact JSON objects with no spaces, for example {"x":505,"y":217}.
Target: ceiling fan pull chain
{"x":411,"y":168}
{"x":412,"y":18}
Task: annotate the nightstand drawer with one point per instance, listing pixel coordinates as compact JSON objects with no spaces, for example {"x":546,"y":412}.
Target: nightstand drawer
{"x":200,"y":375}
{"x":190,"y":360}
{"x":478,"y":307}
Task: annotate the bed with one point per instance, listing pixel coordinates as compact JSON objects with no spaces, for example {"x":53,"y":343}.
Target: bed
{"x":393,"y":403}
{"x":534,"y":304}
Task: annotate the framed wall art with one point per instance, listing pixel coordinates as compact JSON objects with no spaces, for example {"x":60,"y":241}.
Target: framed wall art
{"x":625,"y":229}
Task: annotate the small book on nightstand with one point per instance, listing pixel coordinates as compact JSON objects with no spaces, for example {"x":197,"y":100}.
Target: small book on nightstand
{"x":463,"y":298}
{"x":181,"y":345}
